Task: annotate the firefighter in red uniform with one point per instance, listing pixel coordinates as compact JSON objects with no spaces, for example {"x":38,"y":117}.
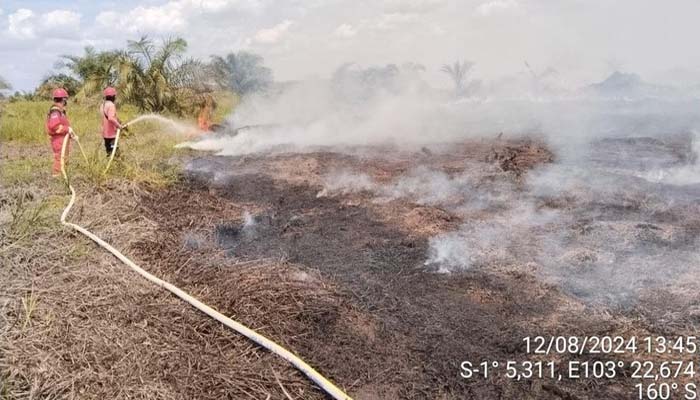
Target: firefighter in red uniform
{"x":58,"y":126}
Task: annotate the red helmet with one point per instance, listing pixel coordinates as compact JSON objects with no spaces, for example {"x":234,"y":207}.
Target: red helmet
{"x":60,"y":93}
{"x":110,"y":91}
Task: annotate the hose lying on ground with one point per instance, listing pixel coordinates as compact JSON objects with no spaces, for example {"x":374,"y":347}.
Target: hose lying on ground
{"x":322,"y":382}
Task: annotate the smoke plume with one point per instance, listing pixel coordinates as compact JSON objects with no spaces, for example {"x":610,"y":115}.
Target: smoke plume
{"x":613,"y":216}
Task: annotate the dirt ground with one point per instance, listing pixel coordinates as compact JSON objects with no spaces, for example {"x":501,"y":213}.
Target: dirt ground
{"x":341,"y":279}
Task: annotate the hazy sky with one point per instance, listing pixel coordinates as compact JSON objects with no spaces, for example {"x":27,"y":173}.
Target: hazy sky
{"x":583,"y":39}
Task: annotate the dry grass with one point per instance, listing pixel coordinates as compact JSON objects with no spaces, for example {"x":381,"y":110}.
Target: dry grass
{"x":76,"y":323}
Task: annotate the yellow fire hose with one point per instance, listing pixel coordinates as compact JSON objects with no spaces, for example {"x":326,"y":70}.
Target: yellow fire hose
{"x":261,"y":340}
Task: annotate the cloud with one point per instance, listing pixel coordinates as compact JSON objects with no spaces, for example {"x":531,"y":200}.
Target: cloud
{"x":25,"y":24}
{"x":207,"y":5}
{"x":216,"y":6}
{"x":22,"y":24}
{"x":167,"y":18}
{"x":61,"y":19}
{"x":394,"y":21}
{"x":158,"y":19}
{"x":412,"y":6}
{"x":274,"y":34}
{"x":173,"y":16}
{"x":345,"y":31}
{"x":496,"y":6}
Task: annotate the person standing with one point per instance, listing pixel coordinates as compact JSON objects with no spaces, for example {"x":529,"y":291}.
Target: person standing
{"x":57,"y":127}
{"x":110,"y":121}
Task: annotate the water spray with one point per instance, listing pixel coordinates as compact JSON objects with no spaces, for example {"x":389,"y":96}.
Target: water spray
{"x":155,"y":117}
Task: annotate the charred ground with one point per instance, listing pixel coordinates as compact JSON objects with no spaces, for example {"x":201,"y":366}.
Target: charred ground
{"x":395,"y":329}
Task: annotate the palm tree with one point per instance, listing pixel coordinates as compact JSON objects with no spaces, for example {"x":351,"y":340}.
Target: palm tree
{"x":458,"y":73}
{"x":241,"y":72}
{"x":95,"y":69}
{"x":158,"y":78}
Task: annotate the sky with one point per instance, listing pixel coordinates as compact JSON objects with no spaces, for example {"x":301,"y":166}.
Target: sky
{"x":584,"y":40}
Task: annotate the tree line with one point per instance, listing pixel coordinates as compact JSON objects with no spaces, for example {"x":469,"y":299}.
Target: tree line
{"x":153,"y":75}
{"x":156,"y":76}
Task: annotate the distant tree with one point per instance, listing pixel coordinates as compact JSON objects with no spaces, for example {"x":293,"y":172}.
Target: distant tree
{"x":94,"y":70}
{"x":412,"y":67}
{"x":458,"y":73}
{"x":241,"y":72}
{"x":72,"y":85}
{"x":380,"y":76}
{"x":22,"y":96}
{"x":355,"y":83}
{"x":4,"y":85}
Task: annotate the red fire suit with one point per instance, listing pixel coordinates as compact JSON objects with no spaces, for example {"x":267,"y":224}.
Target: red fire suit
{"x":57,"y":126}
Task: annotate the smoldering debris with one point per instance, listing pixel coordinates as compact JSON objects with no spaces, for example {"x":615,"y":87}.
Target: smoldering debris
{"x":613,"y":235}
{"x":503,"y":238}
{"x":344,"y":182}
{"x":425,"y":186}
{"x":591,"y":225}
{"x":230,"y":235}
{"x":248,"y":221}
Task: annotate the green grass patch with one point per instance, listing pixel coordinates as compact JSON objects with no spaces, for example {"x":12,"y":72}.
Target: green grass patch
{"x":24,"y":121}
{"x":144,"y":155}
{"x":144,"y":158}
{"x":29,"y":216}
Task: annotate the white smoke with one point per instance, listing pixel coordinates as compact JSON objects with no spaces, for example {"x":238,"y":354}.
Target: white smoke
{"x":248,"y":220}
{"x":502,"y":238}
{"x":688,"y":174}
{"x":615,"y":154}
{"x":345,"y":182}
{"x":408,"y":114}
{"x":423,"y":186}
